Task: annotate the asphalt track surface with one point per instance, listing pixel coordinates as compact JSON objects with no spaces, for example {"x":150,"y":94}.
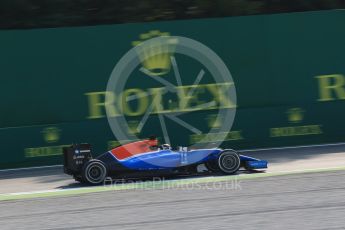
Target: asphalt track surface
{"x":296,"y":201}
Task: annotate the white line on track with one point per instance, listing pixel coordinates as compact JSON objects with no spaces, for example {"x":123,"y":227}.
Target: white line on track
{"x":30,"y":168}
{"x":46,"y":191}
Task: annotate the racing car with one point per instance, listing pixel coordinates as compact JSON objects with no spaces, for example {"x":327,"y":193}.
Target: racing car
{"x":147,"y":158}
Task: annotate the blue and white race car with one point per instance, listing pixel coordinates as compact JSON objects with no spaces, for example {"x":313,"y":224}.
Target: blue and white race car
{"x":146,"y":159}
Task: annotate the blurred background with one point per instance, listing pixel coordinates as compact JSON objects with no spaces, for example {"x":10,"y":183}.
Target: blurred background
{"x":56,"y":56}
{"x":57,"y":13}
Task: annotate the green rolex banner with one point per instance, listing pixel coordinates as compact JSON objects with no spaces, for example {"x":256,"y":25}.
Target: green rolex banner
{"x":285,"y":84}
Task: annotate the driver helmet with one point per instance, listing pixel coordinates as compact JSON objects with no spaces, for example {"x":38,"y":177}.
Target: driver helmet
{"x":165,"y":146}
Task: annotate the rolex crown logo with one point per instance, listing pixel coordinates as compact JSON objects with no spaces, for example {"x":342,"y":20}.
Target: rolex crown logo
{"x":155,"y":54}
{"x":295,"y":115}
{"x":51,"y":134}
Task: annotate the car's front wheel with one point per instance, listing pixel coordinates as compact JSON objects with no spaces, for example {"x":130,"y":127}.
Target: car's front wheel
{"x":229,"y":162}
{"x":94,"y":172}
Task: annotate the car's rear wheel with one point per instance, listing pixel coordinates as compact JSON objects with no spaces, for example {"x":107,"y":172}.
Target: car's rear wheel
{"x":229,"y":162}
{"x":94,"y":172}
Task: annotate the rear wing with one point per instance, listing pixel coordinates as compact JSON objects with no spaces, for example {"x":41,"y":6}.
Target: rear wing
{"x":75,"y":156}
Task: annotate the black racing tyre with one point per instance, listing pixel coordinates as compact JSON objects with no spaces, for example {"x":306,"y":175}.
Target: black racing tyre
{"x":229,"y":162}
{"x":94,"y":172}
